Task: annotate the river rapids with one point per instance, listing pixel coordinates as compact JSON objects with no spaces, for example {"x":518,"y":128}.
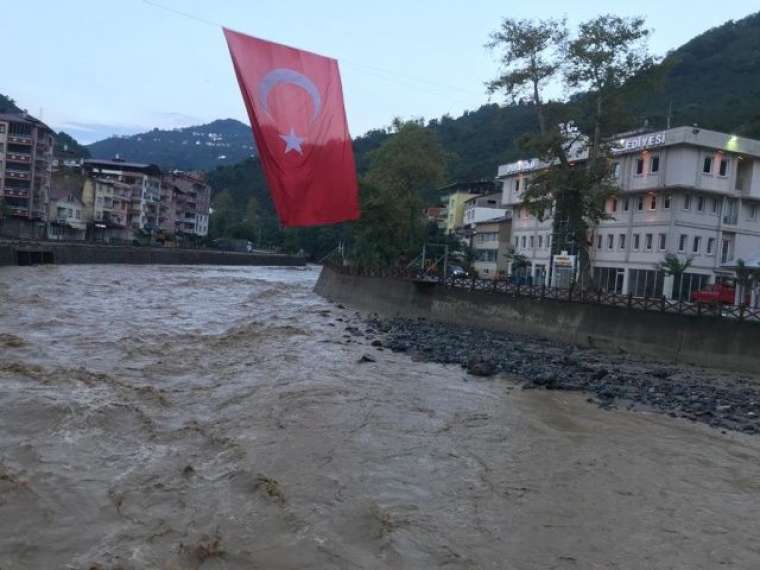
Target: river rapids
{"x":177,"y":418}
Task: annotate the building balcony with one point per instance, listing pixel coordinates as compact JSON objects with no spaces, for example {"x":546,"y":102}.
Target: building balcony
{"x":16,"y":211}
{"x":17,"y":174}
{"x":20,"y":139}
{"x":22,"y":157}
{"x":17,"y":193}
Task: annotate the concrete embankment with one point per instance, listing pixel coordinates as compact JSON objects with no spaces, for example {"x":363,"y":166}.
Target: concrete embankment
{"x":29,"y":253}
{"x":703,"y":341}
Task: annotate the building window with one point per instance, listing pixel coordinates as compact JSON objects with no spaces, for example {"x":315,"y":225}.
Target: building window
{"x":621,"y":242}
{"x":639,"y":166}
{"x":549,"y":240}
{"x":648,"y":242}
{"x":697,"y":244}
{"x":682,"y":242}
{"x":707,"y":166}
{"x":517,"y":184}
{"x":655,"y":164}
{"x":599,"y":241}
{"x":662,"y":242}
{"x":636,"y":242}
{"x":700,"y":203}
{"x":610,"y":241}
{"x":640,"y":205}
{"x":613,"y":205}
{"x":517,"y":242}
{"x":531,"y":242}
{"x":666,"y":202}
{"x":653,"y":202}
{"x":753,"y":212}
{"x":714,"y":206}
{"x":710,"y":245}
{"x":687,"y":202}
{"x":540,"y":242}
{"x":626,"y":204}
{"x":723,"y":169}
{"x":523,"y":241}
{"x":616,"y":170}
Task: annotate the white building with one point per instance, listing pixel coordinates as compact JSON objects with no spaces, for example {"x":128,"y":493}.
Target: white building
{"x":482,"y":208}
{"x":689,"y":191}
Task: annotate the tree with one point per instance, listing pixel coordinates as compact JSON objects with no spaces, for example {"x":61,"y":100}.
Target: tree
{"x":530,"y":58}
{"x":223,"y":215}
{"x":401,"y":170}
{"x":576,"y":182}
{"x":607,"y":52}
{"x":673,"y":266}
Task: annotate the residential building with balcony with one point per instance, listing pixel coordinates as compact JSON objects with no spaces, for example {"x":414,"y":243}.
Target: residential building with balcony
{"x":455,"y":196}
{"x":492,"y":245}
{"x":481,"y":208}
{"x":143,"y":182}
{"x":67,"y":218}
{"x":26,"y":154}
{"x":687,"y":191}
{"x":191,"y":195}
{"x":107,"y":205}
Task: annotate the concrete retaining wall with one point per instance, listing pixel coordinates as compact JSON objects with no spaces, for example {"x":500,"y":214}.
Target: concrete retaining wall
{"x":704,"y":341}
{"x":68,"y":253}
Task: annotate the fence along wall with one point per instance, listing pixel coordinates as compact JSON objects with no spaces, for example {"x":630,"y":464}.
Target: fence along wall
{"x":704,"y":340}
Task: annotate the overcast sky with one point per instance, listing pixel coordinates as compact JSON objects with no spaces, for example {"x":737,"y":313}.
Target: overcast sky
{"x":100,"y":67}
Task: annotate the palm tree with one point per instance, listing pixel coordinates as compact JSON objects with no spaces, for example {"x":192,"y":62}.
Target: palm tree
{"x":744,"y":277}
{"x":672,"y":265}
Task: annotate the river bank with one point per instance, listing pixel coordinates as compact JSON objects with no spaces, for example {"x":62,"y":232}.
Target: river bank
{"x":225,"y":418}
{"x":64,"y":253}
{"x":723,"y":400}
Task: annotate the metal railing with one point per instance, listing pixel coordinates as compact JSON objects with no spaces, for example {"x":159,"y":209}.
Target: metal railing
{"x":558,"y":294}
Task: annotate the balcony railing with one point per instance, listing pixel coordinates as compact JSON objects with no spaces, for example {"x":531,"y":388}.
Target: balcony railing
{"x":19,"y":139}
{"x":18,"y":157}
{"x":18,"y":174}
{"x":730,"y":219}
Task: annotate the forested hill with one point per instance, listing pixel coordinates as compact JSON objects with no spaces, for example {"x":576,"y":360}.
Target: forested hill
{"x":203,"y":147}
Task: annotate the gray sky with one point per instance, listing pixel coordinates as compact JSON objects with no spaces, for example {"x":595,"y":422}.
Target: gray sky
{"x":100,"y":67}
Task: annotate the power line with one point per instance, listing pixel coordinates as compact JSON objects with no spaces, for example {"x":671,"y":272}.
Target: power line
{"x":375,"y":69}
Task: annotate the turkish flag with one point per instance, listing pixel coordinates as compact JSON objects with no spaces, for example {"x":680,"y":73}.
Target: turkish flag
{"x":295,"y":103}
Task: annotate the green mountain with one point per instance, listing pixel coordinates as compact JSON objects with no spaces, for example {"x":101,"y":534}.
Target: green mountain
{"x":203,"y":147}
{"x":8,"y":105}
{"x":66,"y":145}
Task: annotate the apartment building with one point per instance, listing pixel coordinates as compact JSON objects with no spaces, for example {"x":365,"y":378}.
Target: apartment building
{"x":26,"y":154}
{"x":190,"y":203}
{"x":491,"y":242}
{"x":688,"y":191}
{"x":107,"y":203}
{"x":144,"y":185}
{"x":482,"y":208}
{"x":455,"y":197}
{"x":67,"y":219}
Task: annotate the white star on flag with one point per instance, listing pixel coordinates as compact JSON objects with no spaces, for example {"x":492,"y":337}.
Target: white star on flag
{"x":292,"y":142}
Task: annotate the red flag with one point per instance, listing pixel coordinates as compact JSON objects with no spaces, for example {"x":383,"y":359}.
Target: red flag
{"x":295,"y":103}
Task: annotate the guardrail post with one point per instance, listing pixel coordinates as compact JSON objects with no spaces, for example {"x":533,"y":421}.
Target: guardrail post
{"x":630,"y":300}
{"x":741,"y":312}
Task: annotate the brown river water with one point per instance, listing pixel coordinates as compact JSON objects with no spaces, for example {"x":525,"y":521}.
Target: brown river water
{"x":215,"y":418}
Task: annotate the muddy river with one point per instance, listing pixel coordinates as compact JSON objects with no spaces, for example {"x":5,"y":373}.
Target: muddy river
{"x":216,"y":418}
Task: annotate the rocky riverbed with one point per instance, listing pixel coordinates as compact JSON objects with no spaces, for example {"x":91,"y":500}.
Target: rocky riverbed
{"x":720,"y":399}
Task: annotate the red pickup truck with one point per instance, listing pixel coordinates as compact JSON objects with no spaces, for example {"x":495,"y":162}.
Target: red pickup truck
{"x":718,"y":293}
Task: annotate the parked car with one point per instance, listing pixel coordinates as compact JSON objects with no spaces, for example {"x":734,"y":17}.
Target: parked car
{"x":716,"y":293}
{"x":457,"y":271}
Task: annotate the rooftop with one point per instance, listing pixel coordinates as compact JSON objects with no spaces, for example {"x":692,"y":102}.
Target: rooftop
{"x":25,"y":118}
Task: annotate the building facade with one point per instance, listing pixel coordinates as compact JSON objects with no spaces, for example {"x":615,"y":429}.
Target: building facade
{"x":191,"y":196}
{"x":107,"y":204}
{"x":455,"y":197}
{"x":492,"y":245}
{"x":143,"y":182}
{"x":26,"y":155}
{"x":481,"y":208}
{"x":687,"y":191}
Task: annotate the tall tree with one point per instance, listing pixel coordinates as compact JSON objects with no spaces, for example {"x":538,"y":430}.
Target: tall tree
{"x":401,"y":173}
{"x":607,"y":51}
{"x":530,"y":53}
